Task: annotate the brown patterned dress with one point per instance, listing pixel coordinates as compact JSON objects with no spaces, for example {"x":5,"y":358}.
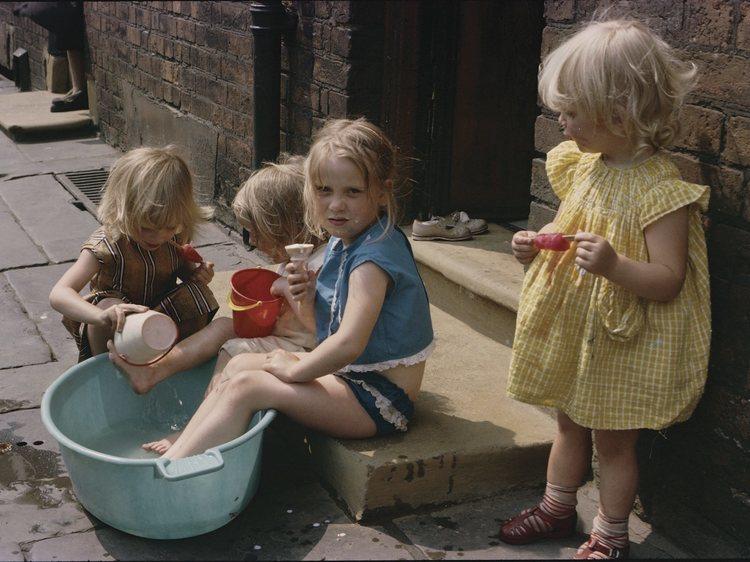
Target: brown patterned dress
{"x":135,"y":275}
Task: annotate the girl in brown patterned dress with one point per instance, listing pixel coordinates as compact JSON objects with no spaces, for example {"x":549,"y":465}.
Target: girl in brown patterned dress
{"x":129,"y":261}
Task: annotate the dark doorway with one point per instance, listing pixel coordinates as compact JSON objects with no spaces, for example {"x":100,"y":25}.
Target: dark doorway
{"x":461,"y":79}
{"x":495,"y":108}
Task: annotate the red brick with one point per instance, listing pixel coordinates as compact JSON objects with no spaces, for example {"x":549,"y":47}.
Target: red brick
{"x":321,"y":36}
{"x":540,"y":186}
{"x":743,"y":28}
{"x":234,"y":15}
{"x":133,"y":35}
{"x":547,"y":134}
{"x":737,"y":146}
{"x":240,"y":45}
{"x":235,"y":72}
{"x":539,"y":215}
{"x":201,"y":107}
{"x":709,"y":22}
{"x":551,"y":38}
{"x":725,"y":183}
{"x":337,"y":105}
{"x":341,"y":41}
{"x":239,"y":99}
{"x":169,"y":71}
{"x":216,"y":39}
{"x":167,"y":25}
{"x":186,"y":30}
{"x":322,"y":10}
{"x":201,"y":34}
{"x":701,"y":129}
{"x":330,"y":72}
{"x":201,"y":11}
{"x":724,"y":77}
{"x":239,"y":151}
{"x":559,"y":10}
{"x":301,"y":122}
{"x":142,"y":17}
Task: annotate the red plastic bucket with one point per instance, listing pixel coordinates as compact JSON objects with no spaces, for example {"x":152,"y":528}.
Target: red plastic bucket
{"x":254,"y":308}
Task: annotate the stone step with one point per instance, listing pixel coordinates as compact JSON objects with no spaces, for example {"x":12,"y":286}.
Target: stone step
{"x":478,"y":281}
{"x":26,"y":116}
{"x":468,"y":440}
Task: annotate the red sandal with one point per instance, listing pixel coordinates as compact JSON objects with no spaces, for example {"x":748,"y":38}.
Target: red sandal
{"x":522,"y":529}
{"x":595,"y":549}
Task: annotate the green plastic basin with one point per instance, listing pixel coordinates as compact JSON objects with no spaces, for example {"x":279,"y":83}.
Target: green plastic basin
{"x":100,"y":423}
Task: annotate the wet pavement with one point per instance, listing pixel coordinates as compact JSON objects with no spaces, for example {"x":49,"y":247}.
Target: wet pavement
{"x":292,"y":516}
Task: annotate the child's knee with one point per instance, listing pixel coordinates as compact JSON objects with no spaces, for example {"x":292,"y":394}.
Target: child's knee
{"x":613,"y":444}
{"x":108,"y":302}
{"x":569,"y":427}
{"x":249,"y":384}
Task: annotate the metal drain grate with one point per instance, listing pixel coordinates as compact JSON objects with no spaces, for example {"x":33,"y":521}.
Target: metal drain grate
{"x":85,"y":186}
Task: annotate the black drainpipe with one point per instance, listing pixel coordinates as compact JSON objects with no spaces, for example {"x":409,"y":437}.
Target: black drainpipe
{"x":270,"y":20}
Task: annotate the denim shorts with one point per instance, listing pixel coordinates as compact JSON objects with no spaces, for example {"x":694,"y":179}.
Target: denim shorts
{"x":385,"y":402}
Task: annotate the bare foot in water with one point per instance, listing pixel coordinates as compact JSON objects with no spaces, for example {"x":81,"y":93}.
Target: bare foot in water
{"x":142,"y":379}
{"x":163,"y":445}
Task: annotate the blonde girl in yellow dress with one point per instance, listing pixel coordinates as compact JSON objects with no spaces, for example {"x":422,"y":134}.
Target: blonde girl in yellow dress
{"x":614,"y":332}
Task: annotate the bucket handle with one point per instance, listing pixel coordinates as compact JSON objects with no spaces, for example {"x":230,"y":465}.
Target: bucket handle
{"x":180,"y":469}
{"x":238,"y":308}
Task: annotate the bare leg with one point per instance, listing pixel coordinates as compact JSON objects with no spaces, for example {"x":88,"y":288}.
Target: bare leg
{"x":163,"y":445}
{"x":325,"y":404}
{"x":232,"y":365}
{"x":570,"y":456}
{"x":77,"y":70}
{"x":188,"y":353}
{"x":97,"y":335}
{"x":618,"y":471}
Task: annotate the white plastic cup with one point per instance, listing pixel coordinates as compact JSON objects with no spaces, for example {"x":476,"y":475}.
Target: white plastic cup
{"x":146,"y":337}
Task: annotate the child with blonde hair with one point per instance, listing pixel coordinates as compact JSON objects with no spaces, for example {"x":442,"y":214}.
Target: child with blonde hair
{"x":614,"y":332}
{"x":133,"y":260}
{"x":367,"y":302}
{"x":270,"y":206}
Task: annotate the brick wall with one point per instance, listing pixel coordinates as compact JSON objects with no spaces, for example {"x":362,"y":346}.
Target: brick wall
{"x":704,"y":461}
{"x":15,"y":32}
{"x":196,"y":59}
{"x":154,"y":62}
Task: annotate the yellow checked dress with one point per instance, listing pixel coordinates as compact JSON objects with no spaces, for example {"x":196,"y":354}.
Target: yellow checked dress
{"x":605,"y":357}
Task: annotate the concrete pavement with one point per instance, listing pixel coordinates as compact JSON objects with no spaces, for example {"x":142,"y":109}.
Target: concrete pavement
{"x":292,"y":517}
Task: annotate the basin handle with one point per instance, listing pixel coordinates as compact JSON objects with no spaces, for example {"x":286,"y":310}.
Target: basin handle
{"x":179,"y":469}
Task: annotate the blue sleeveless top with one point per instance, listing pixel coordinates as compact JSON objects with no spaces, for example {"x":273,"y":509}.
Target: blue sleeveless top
{"x":403,"y":332}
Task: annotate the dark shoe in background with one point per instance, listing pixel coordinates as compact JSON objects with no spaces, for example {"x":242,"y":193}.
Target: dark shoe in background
{"x":66,"y":97}
{"x":71,"y":102}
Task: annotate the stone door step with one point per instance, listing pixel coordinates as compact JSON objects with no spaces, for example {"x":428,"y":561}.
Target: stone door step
{"x":27,"y":115}
{"x":478,"y":281}
{"x":468,"y":440}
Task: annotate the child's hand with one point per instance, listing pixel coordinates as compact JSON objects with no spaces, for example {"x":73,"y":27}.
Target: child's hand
{"x":114,"y":316}
{"x":301,"y":283}
{"x":523,"y":246}
{"x":203,"y":273}
{"x":279,"y":287}
{"x":279,"y":363}
{"x":595,"y":254}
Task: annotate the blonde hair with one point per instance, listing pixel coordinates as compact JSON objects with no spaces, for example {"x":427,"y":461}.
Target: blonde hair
{"x":271,"y":200}
{"x":367,"y":147}
{"x":619,"y":68}
{"x":152,"y":188}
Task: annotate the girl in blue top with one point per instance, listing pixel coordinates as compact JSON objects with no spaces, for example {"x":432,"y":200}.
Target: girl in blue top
{"x":367,"y":304}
